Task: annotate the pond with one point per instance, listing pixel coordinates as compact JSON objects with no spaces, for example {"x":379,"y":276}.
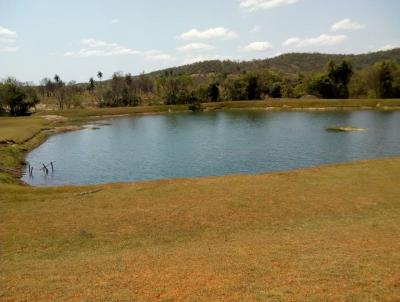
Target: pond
{"x":210,"y":144}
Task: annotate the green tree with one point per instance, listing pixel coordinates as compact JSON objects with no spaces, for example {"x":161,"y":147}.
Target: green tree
{"x":213,"y":92}
{"x":175,"y":89}
{"x":383,"y":78}
{"x":91,"y":85}
{"x":14,"y":97}
{"x":334,"y":83}
{"x":322,"y":86}
{"x":340,"y":75}
{"x":235,"y":88}
{"x":276,"y":90}
{"x":253,"y":91}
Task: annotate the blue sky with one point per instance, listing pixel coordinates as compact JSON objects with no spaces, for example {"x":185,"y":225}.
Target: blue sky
{"x":75,"y":39}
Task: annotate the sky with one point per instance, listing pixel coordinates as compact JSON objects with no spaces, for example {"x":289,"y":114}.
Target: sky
{"x":77,"y":38}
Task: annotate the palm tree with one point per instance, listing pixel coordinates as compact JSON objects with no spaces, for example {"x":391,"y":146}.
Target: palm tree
{"x":100,"y":75}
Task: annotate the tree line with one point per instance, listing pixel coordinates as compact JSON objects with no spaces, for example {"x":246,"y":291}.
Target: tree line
{"x":337,"y":81}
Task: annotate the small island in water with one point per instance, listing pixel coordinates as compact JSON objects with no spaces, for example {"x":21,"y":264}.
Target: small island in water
{"x":345,"y":129}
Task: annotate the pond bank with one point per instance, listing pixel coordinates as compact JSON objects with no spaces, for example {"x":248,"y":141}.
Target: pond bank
{"x":242,"y":237}
{"x":18,"y":136}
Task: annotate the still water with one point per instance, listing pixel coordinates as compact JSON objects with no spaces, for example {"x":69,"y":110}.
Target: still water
{"x":215,"y":143}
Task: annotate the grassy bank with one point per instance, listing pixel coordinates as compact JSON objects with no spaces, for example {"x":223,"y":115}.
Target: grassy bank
{"x":19,"y":135}
{"x":310,"y":104}
{"x":321,"y":234}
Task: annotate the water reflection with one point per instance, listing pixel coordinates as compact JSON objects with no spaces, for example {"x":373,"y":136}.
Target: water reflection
{"x":214,"y":143}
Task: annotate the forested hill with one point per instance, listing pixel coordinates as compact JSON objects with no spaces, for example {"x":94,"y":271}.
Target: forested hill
{"x":287,"y":63}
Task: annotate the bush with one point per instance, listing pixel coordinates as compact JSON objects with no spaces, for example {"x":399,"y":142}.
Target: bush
{"x":17,"y":99}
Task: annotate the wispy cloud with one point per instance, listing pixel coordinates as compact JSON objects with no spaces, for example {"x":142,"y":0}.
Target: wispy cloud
{"x":7,"y":35}
{"x":114,"y":21}
{"x":195,"y":47}
{"x":201,"y":58}
{"x":253,"y":5}
{"x":69,"y":54}
{"x":97,"y":48}
{"x":255,"y":29}
{"x":9,"y":49}
{"x":389,"y":46}
{"x":156,"y":55}
{"x":208,"y":34}
{"x":322,"y":40}
{"x":257,"y":46}
{"x":346,"y":24}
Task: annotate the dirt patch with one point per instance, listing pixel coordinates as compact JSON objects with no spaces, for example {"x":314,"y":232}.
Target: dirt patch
{"x":55,"y":118}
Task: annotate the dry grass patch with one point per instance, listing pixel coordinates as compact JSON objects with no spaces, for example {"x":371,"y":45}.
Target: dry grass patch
{"x":20,"y":129}
{"x":321,"y":234}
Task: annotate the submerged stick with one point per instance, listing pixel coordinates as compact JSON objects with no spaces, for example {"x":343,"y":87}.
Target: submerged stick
{"x":45,"y":169}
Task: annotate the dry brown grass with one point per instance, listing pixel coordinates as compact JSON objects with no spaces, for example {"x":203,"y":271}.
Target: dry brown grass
{"x":321,"y":234}
{"x":20,"y":129}
{"x":309,"y":104}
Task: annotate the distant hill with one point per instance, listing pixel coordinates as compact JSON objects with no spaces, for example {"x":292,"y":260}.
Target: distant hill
{"x":287,"y":63}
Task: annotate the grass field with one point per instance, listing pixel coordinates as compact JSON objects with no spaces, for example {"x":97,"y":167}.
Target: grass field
{"x":321,"y":234}
{"x":21,"y":129}
{"x":328,"y":233}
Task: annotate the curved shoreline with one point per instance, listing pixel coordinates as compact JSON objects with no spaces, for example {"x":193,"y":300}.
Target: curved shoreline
{"x":76,"y":119}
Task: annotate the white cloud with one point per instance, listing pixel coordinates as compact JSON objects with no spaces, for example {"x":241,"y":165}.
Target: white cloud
{"x":322,"y":40}
{"x":252,"y":5}
{"x":255,"y":29}
{"x":258,"y":46}
{"x":155,"y":55}
{"x":114,"y":21}
{"x":201,"y":58}
{"x":7,"y":35}
{"x":97,"y":48}
{"x":389,"y":47}
{"x":9,"y":49}
{"x":195,"y":47}
{"x":210,"y":33}
{"x":68,"y":54}
{"x":346,"y":24}
{"x":291,"y":41}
